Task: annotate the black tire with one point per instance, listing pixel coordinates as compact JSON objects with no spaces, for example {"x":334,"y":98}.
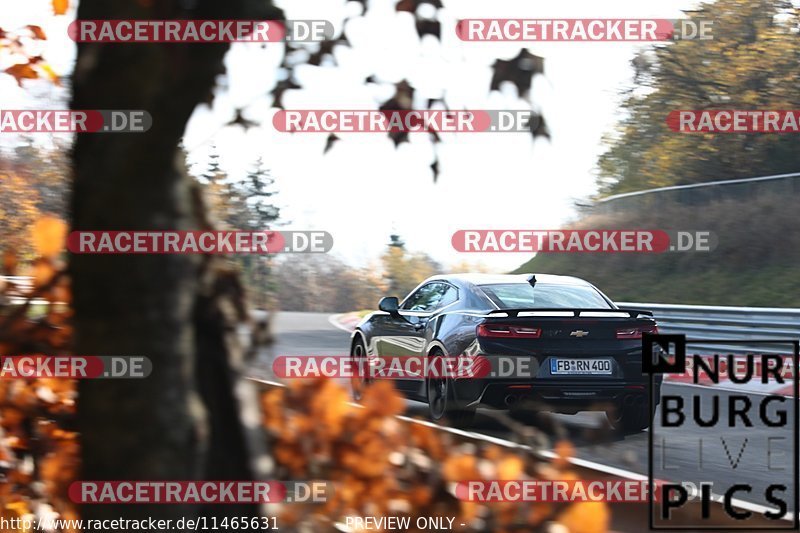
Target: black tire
{"x":442,"y":405}
{"x":631,"y":418}
{"x":358,"y":382}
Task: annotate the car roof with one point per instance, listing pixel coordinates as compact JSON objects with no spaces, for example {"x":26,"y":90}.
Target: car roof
{"x":490,"y":279}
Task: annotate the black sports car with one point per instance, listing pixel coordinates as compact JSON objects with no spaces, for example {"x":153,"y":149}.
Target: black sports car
{"x":580,"y":351}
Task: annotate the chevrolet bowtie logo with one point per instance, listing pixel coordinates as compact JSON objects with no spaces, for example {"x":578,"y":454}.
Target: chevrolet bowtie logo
{"x":578,"y":333}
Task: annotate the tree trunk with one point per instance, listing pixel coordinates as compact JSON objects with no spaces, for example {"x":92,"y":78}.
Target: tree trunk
{"x":168,"y":425}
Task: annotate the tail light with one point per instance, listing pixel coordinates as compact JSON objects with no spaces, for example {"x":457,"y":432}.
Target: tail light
{"x":636,"y":332}
{"x":508,"y":331}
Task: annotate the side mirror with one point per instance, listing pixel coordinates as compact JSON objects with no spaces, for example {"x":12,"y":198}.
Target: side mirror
{"x":390,"y":305}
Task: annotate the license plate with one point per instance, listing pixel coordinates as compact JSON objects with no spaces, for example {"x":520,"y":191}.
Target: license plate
{"x":580,"y":366}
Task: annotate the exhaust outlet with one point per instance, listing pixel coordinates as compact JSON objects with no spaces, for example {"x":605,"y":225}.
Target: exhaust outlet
{"x":511,"y":399}
{"x":629,"y":401}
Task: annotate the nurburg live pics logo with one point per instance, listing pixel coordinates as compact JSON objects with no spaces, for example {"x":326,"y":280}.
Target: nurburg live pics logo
{"x":728,"y":419}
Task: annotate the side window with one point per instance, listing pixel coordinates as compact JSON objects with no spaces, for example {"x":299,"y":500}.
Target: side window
{"x":427,"y":298}
{"x":450,"y":296}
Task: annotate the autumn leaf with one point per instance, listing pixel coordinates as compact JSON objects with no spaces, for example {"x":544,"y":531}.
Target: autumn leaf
{"x":332,"y":138}
{"x":460,"y":468}
{"x":37,"y":31}
{"x":519,"y":71}
{"x":564,"y":452}
{"x":60,"y":6}
{"x":49,"y":234}
{"x":586,"y":517}
{"x":383,"y":399}
{"x":510,"y":468}
{"x":10,"y":262}
{"x":22,"y":71}
{"x":50,"y":73}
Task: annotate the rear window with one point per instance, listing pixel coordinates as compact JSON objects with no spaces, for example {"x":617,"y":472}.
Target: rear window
{"x":544,"y":295}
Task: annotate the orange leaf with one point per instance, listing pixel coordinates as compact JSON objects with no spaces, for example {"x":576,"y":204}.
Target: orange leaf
{"x":48,"y":70}
{"x":510,"y":468}
{"x":42,"y":272}
{"x":37,"y":31}
{"x":60,"y":6}
{"x":22,"y":71}
{"x":585,"y":517}
{"x":49,"y":234}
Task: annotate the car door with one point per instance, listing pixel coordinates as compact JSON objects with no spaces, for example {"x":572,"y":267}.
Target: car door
{"x":417,"y":310}
{"x":402,"y":335}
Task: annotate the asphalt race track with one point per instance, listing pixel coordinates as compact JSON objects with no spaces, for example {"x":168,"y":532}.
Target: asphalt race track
{"x":726,"y":458}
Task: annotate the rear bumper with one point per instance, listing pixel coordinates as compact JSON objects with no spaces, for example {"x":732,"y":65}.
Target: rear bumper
{"x":563,"y":396}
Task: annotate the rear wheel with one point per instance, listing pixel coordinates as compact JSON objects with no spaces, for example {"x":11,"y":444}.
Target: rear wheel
{"x":442,"y":404}
{"x":358,"y":379}
{"x":631,"y":418}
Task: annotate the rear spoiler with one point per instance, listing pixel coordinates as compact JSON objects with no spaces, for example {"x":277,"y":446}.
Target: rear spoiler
{"x":515,"y":313}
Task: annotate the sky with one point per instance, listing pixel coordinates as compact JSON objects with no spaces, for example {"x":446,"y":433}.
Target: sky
{"x":365,"y":189}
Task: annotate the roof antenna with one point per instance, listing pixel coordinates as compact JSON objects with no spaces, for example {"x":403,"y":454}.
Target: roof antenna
{"x":532,"y":279}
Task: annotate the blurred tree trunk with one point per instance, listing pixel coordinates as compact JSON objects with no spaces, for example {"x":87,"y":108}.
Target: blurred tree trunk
{"x":178,"y":421}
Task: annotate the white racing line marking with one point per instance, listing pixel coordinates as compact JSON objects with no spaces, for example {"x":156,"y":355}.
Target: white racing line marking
{"x":583,"y":463}
{"x":334,"y":321}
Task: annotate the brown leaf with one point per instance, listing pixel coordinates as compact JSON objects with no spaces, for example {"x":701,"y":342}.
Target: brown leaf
{"x":519,"y":71}
{"x":37,"y":31}
{"x":10,"y":262}
{"x":49,"y":235}
{"x":332,"y":138}
{"x":60,"y":6}
{"x":22,"y":71}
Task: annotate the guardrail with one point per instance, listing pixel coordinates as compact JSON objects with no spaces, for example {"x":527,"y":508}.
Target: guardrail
{"x":727,"y":323}
{"x":695,"y":321}
{"x":782,"y":185}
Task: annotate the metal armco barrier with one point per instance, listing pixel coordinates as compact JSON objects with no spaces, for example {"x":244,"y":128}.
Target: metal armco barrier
{"x":695,"y":194}
{"x":723,"y":323}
